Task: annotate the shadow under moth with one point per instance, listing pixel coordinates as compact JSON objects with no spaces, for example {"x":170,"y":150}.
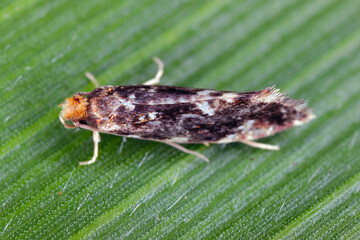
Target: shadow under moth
{"x":177,"y":115}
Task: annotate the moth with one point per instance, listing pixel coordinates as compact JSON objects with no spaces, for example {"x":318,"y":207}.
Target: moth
{"x":178,"y":115}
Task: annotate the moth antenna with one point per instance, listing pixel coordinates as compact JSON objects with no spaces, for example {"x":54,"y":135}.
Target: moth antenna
{"x":92,"y":79}
{"x":160,"y":72}
{"x":65,"y":124}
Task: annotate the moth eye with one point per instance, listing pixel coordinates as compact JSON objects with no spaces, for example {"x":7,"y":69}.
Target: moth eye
{"x":83,"y":122}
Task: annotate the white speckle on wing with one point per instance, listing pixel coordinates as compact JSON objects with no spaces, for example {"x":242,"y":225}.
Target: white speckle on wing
{"x":152,"y":115}
{"x":205,"y":92}
{"x":229,"y":97}
{"x":248,"y":126}
{"x":112,"y":127}
{"x":205,"y":108}
{"x":127,"y":104}
{"x":163,"y":101}
{"x":132,"y":96}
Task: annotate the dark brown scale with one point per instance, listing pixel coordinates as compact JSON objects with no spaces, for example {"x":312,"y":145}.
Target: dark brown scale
{"x":178,"y":116}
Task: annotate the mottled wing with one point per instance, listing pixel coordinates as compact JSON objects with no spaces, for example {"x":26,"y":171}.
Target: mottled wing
{"x":187,"y":115}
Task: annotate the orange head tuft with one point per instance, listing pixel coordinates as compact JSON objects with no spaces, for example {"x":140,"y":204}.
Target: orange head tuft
{"x":74,"y":108}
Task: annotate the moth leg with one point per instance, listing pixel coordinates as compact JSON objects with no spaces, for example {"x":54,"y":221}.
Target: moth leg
{"x":65,"y":124}
{"x":156,"y":79}
{"x":96,"y":138}
{"x":260,"y":145}
{"x":92,"y":79}
{"x":181,"y":148}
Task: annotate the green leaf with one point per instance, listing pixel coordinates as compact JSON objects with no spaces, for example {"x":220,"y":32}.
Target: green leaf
{"x":309,"y":189}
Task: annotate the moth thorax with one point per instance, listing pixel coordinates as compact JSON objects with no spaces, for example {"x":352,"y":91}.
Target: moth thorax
{"x":74,"y":108}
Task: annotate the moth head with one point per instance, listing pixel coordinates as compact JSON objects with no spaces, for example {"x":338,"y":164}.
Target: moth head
{"x":74,"y":108}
